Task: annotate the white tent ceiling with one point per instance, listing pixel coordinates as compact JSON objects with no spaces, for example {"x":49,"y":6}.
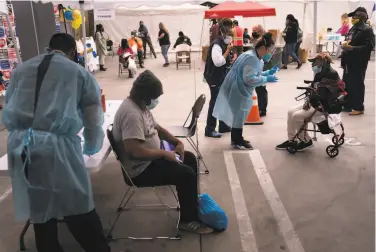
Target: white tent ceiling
{"x":186,"y":17}
{"x":184,"y":9}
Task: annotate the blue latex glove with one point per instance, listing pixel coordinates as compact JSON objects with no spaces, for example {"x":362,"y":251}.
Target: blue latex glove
{"x":271,"y":78}
{"x":273,"y":70}
{"x":89,"y":151}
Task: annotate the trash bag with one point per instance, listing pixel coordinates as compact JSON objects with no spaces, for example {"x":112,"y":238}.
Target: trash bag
{"x":211,"y":214}
{"x":132,"y":66}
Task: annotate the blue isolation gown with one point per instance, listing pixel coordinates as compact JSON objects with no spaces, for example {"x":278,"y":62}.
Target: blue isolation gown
{"x":235,"y":96}
{"x":53,"y":181}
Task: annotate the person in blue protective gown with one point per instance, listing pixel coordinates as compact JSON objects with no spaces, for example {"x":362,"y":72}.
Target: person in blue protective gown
{"x":49,"y":100}
{"x":235,"y":96}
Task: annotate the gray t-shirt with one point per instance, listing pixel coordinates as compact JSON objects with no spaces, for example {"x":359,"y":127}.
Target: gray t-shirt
{"x":131,"y":122}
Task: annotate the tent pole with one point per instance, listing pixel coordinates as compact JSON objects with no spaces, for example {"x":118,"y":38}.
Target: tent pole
{"x":35,"y":27}
{"x":14,"y":39}
{"x":61,"y":10}
{"x":83,"y":27}
{"x":263,"y":23}
{"x":314,"y":27}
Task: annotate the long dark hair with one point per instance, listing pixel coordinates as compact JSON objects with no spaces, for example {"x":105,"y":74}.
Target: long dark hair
{"x":266,"y":40}
{"x":124,"y":44}
{"x":98,"y":28}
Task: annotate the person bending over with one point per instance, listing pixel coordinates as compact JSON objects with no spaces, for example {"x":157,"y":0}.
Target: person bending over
{"x":138,"y":136}
{"x":235,"y":95}
{"x":323,"y":71}
{"x":134,"y":40}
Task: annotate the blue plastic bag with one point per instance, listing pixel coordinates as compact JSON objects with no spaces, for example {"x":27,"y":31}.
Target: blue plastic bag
{"x":211,"y":214}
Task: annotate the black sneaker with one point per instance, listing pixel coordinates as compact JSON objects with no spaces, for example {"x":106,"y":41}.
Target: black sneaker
{"x":262,"y":113}
{"x":305,"y":145}
{"x":166,"y":64}
{"x":284,"y":145}
{"x":213,"y":134}
{"x":245,"y":145}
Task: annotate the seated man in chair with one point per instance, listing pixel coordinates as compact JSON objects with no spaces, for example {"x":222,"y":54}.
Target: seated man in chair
{"x":324,"y":73}
{"x":182,"y":39}
{"x":138,"y":137}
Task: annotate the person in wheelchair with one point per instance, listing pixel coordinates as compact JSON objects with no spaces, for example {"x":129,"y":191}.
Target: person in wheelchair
{"x":137,"y":138}
{"x":125,"y":52}
{"x":324,"y":86}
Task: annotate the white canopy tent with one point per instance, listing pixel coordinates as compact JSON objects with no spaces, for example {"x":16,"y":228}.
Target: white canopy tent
{"x":313,"y":15}
{"x":327,"y":14}
{"x":186,"y":17}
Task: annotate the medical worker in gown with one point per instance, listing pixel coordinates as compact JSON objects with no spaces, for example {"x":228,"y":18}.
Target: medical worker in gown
{"x":235,"y":96}
{"x":45,"y":158}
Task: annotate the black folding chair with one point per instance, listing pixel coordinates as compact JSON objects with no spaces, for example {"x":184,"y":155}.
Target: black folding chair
{"x":188,"y":132}
{"x":130,"y":191}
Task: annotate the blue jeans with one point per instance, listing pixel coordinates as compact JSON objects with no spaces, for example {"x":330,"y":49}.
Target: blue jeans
{"x":290,"y":51}
{"x":165,"y":51}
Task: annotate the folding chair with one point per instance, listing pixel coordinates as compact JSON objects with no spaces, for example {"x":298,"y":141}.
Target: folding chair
{"x":183,"y":53}
{"x":130,"y":191}
{"x":188,"y":132}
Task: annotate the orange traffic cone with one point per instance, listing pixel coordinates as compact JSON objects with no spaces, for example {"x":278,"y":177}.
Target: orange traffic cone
{"x":253,"y":117}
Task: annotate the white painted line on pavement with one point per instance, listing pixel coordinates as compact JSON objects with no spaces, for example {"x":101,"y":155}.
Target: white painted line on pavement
{"x":247,"y":236}
{"x":5,"y":194}
{"x":291,"y":238}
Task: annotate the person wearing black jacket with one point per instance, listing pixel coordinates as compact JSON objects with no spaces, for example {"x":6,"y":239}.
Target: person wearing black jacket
{"x":144,"y":35}
{"x":355,"y":57}
{"x":290,"y":34}
{"x":216,"y":67}
{"x":182,"y":39}
{"x":321,"y":67}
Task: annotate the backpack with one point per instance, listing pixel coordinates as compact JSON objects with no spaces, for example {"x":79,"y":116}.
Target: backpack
{"x":211,"y":214}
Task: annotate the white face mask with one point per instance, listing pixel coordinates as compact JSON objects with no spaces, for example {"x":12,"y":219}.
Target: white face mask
{"x":227,"y":40}
{"x":316,"y":69}
{"x":153,"y":104}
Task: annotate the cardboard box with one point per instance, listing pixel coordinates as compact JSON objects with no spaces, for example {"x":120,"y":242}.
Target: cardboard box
{"x":204,"y":53}
{"x":274,"y":33}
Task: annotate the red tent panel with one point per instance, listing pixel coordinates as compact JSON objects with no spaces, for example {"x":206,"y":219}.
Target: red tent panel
{"x":231,"y":9}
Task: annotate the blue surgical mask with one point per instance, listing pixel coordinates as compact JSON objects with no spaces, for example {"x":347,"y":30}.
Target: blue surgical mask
{"x":267,"y":57}
{"x":316,"y":69}
{"x":153,"y":104}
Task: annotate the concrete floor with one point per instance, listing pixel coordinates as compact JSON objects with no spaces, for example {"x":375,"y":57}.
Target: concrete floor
{"x":301,"y":203}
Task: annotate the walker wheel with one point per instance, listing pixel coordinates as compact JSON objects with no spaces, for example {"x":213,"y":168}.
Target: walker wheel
{"x":332,"y":151}
{"x":292,"y":149}
{"x":338,"y":140}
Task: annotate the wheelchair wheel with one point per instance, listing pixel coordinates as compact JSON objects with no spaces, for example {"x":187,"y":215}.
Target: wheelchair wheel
{"x":338,"y":140}
{"x":292,"y":149}
{"x":332,"y":151}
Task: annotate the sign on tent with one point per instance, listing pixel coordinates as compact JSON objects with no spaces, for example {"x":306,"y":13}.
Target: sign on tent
{"x":104,"y":14}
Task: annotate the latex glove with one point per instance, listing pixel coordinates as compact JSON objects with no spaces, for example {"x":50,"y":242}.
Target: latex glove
{"x":89,"y":151}
{"x":271,"y":78}
{"x":347,"y":47}
{"x":273,"y":70}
